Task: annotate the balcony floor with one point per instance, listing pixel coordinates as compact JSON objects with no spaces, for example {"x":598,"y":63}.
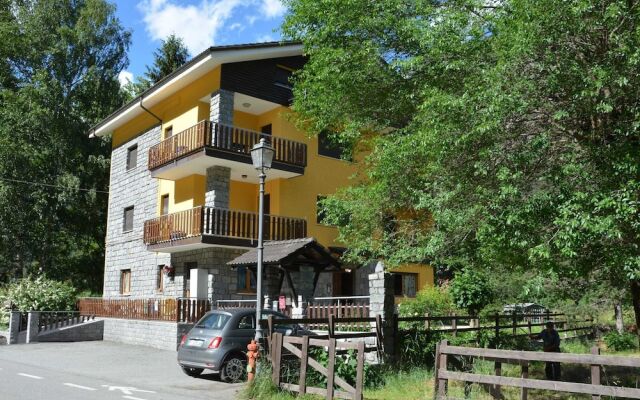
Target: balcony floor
{"x":240,"y":164}
{"x":201,"y":242}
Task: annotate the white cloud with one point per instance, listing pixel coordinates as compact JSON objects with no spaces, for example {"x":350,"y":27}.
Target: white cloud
{"x":272,"y":8}
{"x":198,"y":25}
{"x":125,"y":77}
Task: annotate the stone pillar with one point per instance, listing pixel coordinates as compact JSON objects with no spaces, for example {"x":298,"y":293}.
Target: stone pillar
{"x":32,"y":326}
{"x":382,"y":302}
{"x":199,"y":283}
{"x":217,"y":190}
{"x":221,"y":107}
{"x":14,"y":327}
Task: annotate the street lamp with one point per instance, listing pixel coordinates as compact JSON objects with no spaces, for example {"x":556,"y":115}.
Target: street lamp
{"x":262,"y":156}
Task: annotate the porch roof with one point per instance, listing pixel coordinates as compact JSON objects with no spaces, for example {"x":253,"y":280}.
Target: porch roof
{"x":290,"y":254}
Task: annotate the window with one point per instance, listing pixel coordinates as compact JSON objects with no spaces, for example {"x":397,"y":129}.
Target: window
{"x":246,"y":280}
{"x":283,"y":76}
{"x":247,"y":322}
{"x":132,"y":157}
{"x":160,"y":279}
{"x":405,"y":284}
{"x":164,"y":204}
{"x":125,"y":281}
{"x":328,"y":148}
{"x":213,"y":321}
{"x":127,"y":220}
{"x":168,"y":132}
{"x":320,"y":213}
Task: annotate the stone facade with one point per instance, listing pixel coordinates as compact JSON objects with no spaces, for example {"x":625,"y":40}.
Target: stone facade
{"x":217,"y":192}
{"x":126,"y":250}
{"x":221,"y":107}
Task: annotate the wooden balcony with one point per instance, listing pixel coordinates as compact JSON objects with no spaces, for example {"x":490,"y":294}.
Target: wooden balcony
{"x":209,"y":143}
{"x":205,"y":226}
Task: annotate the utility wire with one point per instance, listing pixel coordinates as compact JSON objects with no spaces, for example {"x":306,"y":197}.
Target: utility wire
{"x":53,"y":186}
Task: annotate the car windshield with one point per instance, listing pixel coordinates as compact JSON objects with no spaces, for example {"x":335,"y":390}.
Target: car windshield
{"x":213,"y":321}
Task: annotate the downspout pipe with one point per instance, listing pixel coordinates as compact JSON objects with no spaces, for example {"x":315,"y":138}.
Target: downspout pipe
{"x":149,"y":111}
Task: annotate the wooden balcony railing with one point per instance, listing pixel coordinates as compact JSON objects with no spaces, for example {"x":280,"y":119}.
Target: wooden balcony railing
{"x":221,"y":222}
{"x":227,"y":138}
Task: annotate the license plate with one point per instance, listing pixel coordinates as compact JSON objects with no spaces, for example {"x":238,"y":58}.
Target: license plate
{"x":195,"y":342}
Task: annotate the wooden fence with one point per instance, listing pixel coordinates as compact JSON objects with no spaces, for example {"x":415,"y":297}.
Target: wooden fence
{"x":174,"y":310}
{"x":523,"y":358}
{"x":289,"y":343}
{"x":517,"y":325}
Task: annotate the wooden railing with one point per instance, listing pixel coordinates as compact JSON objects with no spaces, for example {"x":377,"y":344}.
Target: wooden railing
{"x":523,"y":358}
{"x":182,"y":144}
{"x":222,"y":223}
{"x":224,"y":137}
{"x":145,"y":309}
{"x":191,"y":310}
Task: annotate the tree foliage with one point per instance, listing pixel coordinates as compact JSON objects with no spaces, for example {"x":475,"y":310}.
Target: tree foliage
{"x":60,"y":61}
{"x":171,"y":55}
{"x":471,"y":291}
{"x":514,"y":140}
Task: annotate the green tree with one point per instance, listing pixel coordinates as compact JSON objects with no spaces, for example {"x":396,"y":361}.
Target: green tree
{"x":514,"y":130}
{"x":471,"y":291}
{"x":171,"y":55}
{"x":60,"y":62}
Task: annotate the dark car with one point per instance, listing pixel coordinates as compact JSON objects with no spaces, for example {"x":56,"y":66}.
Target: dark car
{"x":219,"y":342}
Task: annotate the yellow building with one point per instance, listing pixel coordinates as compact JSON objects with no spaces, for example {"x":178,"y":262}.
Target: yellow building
{"x":184,"y":194}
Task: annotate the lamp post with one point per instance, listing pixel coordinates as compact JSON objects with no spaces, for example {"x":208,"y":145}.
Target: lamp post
{"x":262,"y":156}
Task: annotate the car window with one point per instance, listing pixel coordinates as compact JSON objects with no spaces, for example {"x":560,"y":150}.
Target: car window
{"x":213,"y":321}
{"x":246,"y":322}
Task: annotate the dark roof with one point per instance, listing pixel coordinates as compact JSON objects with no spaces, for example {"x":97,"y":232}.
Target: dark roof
{"x":186,"y":66}
{"x":301,"y":251}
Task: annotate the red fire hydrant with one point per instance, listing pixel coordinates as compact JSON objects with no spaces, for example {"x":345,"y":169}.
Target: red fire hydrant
{"x":253,"y":354}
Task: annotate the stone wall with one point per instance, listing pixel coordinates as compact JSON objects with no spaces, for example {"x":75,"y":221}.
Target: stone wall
{"x":223,"y":280}
{"x":86,"y":331}
{"x":156,"y":334}
{"x":126,"y":250}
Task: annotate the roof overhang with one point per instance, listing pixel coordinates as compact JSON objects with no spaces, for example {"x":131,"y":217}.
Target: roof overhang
{"x":188,"y":73}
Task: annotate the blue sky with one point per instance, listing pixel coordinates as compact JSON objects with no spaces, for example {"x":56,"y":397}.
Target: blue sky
{"x":201,"y":23}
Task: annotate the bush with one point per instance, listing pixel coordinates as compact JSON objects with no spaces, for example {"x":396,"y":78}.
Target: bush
{"x":621,"y":341}
{"x":40,"y":294}
{"x":471,"y":291}
{"x":431,"y":300}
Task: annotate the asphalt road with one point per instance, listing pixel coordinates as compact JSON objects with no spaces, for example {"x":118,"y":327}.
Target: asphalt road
{"x":101,"y":371}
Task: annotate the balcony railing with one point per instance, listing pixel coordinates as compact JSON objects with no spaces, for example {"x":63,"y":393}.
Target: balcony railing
{"x":227,"y":138}
{"x":221,"y":223}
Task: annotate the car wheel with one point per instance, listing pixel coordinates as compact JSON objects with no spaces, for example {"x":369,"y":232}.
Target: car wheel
{"x":233,"y":369}
{"x":193,"y":372}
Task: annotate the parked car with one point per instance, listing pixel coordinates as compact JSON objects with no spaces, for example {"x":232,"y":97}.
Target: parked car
{"x":219,"y":342}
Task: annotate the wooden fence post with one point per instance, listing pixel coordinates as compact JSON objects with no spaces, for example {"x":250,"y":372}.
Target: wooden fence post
{"x":454,"y":325}
{"x":304,"y":361}
{"x":396,"y":346}
{"x":497,"y":329}
{"x":332,"y":326}
{"x":427,"y":322}
{"x":360,"y":372}
{"x":441,"y":364}
{"x":331,"y":368}
{"x":514,"y":322}
{"x":496,"y":387}
{"x":276,"y":358}
{"x":524,"y":375}
{"x":595,"y":372}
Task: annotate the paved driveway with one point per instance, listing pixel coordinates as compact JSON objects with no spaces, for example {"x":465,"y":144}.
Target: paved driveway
{"x":101,"y":371}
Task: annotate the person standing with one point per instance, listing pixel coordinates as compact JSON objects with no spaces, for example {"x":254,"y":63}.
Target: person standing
{"x":551,"y":344}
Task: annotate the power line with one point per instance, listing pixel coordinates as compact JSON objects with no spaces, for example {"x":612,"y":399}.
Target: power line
{"x":53,"y":186}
